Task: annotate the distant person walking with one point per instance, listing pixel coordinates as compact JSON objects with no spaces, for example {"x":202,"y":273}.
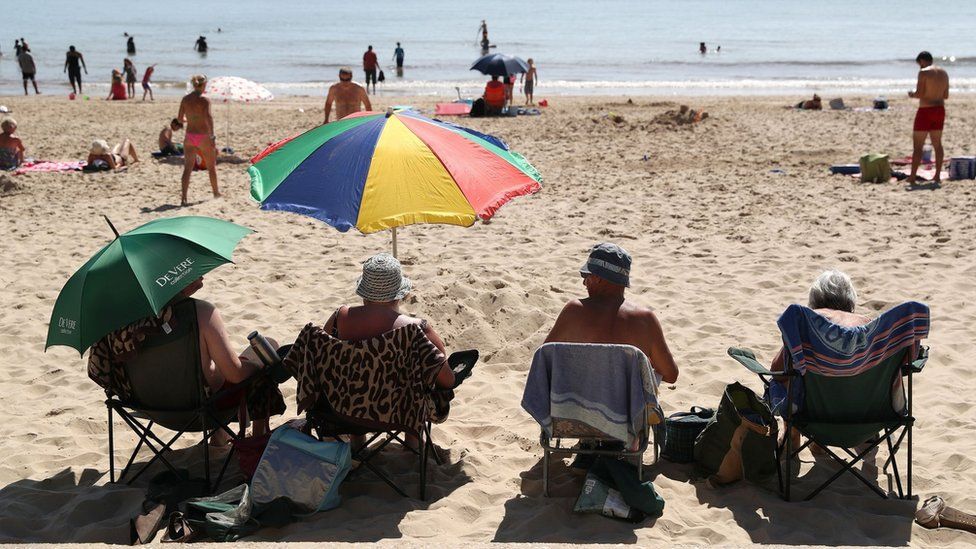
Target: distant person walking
{"x":346,"y":95}
{"x":530,"y":77}
{"x":129,"y":70}
{"x":130,"y":46}
{"x":931,"y":91}
{"x":199,"y":137}
{"x":74,"y":61}
{"x":146,"y":84}
{"x":398,"y":57}
{"x":201,"y":44}
{"x":27,"y":67}
{"x":370,"y":64}
{"x":702,"y":49}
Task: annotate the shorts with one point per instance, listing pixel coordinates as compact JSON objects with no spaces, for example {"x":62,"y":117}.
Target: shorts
{"x":529,"y":84}
{"x":28,"y":75}
{"x":371,"y":75}
{"x":399,"y":62}
{"x":146,"y":86}
{"x":74,"y":75}
{"x":929,"y":119}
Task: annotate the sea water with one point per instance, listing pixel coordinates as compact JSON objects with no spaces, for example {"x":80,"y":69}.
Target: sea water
{"x":580,"y":47}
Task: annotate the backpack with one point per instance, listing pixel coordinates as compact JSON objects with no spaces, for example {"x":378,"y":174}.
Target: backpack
{"x":875,"y":168}
{"x":739,"y":441}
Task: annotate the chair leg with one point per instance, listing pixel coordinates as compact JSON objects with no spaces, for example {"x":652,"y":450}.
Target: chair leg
{"x":894,"y":467}
{"x":430,"y":442}
{"x":640,"y":467}
{"x":423,"y":466}
{"x":545,"y":472}
{"x":206,"y":452}
{"x":111,"y":445}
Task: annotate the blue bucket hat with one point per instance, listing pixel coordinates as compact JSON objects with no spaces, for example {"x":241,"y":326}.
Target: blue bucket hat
{"x":609,"y":262}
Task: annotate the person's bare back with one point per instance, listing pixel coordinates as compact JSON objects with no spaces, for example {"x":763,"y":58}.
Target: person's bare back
{"x":933,"y":86}
{"x":195,"y":110}
{"x":348,"y":97}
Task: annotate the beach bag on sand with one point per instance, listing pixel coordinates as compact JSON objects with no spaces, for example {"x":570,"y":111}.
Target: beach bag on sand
{"x":477,"y":108}
{"x":740,"y":440}
{"x":612,"y":489}
{"x":875,"y":168}
{"x":681,"y":429}
{"x":837,"y":104}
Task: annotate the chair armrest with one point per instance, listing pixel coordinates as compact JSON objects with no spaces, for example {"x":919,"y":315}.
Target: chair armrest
{"x":748,"y":359}
{"x":919,"y":362}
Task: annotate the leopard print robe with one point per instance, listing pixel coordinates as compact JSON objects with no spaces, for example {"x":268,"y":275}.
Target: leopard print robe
{"x":384,"y":380}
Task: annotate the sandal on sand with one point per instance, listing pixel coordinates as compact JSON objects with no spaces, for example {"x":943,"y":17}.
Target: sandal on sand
{"x":934,"y":513}
{"x":143,"y":528}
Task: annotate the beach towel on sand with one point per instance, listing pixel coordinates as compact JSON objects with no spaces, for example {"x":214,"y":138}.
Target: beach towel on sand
{"x":387,"y":379}
{"x":607,"y":387}
{"x":44,"y":166}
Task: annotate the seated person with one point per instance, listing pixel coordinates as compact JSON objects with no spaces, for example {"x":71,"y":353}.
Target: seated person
{"x":11,"y":147}
{"x":166,"y":145}
{"x":606,"y":316}
{"x":100,"y":157}
{"x":117,"y":91}
{"x":494,"y":96}
{"x":811,"y":104}
{"x":832,"y":296}
{"x":382,"y":286}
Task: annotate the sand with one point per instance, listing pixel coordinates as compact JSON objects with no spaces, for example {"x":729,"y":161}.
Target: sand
{"x":721,"y":245}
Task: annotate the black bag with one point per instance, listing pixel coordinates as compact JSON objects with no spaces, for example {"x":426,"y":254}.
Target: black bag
{"x":681,"y":429}
{"x":478,"y":108}
{"x":740,"y":441}
{"x":381,"y":77}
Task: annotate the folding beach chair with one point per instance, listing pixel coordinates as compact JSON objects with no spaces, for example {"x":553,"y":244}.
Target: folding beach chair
{"x":569,"y":391}
{"x":381,"y":388}
{"x":845,"y":388}
{"x":168,"y":391}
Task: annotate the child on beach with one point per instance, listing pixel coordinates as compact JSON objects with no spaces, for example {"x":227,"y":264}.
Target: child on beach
{"x":166,"y":145}
{"x":117,"y":91}
{"x":146,"y":85}
{"x":11,"y":147}
{"x":130,"y":77}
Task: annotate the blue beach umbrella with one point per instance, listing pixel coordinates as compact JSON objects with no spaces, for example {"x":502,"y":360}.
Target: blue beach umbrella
{"x":499,"y":64}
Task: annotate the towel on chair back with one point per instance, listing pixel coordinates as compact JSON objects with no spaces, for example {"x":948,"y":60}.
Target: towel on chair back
{"x":818,"y":345}
{"x":384,"y":380}
{"x":607,"y":387}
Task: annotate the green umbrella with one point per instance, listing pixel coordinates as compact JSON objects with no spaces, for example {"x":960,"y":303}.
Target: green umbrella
{"x":137,"y":274}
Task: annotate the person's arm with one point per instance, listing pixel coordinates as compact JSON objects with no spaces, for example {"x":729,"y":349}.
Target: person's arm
{"x":946,"y":94}
{"x":661,"y":359}
{"x":365,"y":99}
{"x":218,"y":345}
{"x":21,"y":151}
{"x":328,"y":104}
{"x":445,"y":377}
{"x":779,"y":362}
{"x":919,"y":87}
{"x":110,"y":159}
{"x":66,"y":60}
{"x":210,"y":123}
{"x":181,"y":115}
{"x":83,"y":65}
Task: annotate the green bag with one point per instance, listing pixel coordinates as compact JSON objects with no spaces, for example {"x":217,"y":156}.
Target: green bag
{"x":740,"y":441}
{"x":875,"y":168}
{"x":612,"y":489}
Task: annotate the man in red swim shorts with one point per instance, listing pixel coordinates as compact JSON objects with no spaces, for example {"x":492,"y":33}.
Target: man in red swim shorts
{"x":931,"y":91}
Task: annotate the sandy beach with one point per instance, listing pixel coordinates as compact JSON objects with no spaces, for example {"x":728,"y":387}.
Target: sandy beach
{"x":728,"y":221}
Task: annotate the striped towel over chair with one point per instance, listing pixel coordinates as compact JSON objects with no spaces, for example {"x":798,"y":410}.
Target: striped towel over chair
{"x":818,"y":345}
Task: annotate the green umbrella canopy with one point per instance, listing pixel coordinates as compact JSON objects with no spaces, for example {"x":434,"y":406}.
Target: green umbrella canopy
{"x":137,"y":274}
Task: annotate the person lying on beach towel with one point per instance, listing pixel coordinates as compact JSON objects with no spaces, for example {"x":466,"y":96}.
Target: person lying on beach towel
{"x":811,"y":104}
{"x":606,"y":316}
{"x":101,"y":158}
{"x":11,"y":147}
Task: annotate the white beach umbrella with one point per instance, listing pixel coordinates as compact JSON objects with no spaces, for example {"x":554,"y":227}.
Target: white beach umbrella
{"x":234,"y":89}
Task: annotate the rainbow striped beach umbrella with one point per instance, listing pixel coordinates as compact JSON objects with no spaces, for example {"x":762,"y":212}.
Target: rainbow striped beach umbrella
{"x":376,"y":171}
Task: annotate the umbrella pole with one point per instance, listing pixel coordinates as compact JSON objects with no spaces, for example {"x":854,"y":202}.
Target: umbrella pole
{"x":394,"y":242}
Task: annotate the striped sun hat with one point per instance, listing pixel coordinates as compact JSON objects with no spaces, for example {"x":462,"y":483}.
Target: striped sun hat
{"x":382,"y":280}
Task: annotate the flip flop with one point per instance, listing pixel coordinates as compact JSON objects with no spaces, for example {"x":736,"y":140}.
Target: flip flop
{"x":934,"y":513}
{"x":143,"y":528}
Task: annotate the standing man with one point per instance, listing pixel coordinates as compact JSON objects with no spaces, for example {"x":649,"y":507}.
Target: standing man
{"x":27,"y":67}
{"x":347,"y":96}
{"x":398,"y":57}
{"x":130,"y":46}
{"x":73,"y":63}
{"x":370,"y":64}
{"x":931,"y":91}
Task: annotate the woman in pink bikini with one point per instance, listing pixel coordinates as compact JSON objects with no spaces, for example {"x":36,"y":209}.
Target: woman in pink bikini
{"x":200,"y":138}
